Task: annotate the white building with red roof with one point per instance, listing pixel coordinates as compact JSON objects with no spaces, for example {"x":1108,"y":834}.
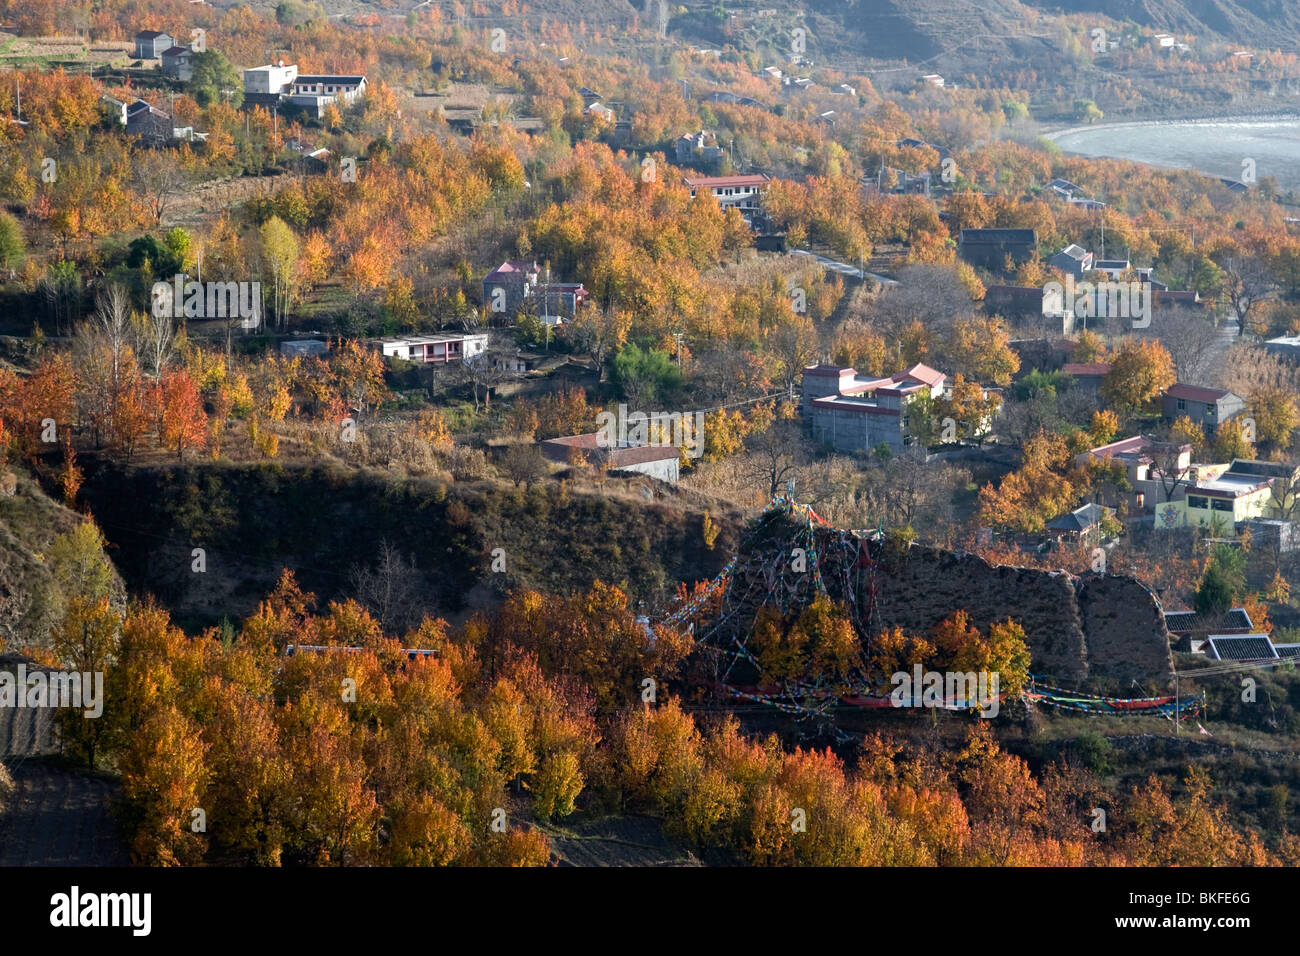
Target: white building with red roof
{"x":743,"y":192}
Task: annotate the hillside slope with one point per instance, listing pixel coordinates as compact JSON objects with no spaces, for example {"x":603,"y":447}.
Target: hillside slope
{"x":322,"y":522}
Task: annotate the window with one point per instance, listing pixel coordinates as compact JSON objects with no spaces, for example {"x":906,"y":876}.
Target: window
{"x":1198,"y":501}
{"x":1182,"y":404}
{"x":1221,"y":504}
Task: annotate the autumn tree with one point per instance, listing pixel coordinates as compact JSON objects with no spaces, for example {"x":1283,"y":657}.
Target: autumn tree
{"x":182,"y":424}
{"x":1140,"y":372}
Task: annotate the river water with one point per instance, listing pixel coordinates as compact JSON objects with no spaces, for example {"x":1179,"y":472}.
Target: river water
{"x":1224,"y":148}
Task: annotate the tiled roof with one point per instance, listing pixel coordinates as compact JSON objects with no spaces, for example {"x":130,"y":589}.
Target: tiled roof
{"x":998,"y":235}
{"x":1080,"y":519}
{"x":1196,"y":393}
{"x":1086,"y":368}
{"x":1241,"y":647}
{"x":328,"y":78}
{"x":1183,"y":622}
{"x":922,"y":373}
{"x":719,"y":182}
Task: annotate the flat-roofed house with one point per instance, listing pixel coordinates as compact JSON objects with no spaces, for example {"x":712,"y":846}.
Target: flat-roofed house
{"x":657,"y":461}
{"x":1228,"y":498}
{"x":435,"y":349}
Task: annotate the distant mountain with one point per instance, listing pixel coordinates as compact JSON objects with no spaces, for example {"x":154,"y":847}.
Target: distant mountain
{"x":987,"y":35}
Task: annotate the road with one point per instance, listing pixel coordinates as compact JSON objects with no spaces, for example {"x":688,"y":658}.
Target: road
{"x":843,"y":268}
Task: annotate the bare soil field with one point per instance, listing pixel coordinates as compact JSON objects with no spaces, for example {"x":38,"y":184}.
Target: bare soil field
{"x":19,"y":51}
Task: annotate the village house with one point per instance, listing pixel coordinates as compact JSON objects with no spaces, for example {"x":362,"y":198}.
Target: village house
{"x":1228,"y":498}
{"x":698,"y":148}
{"x":507,"y":286}
{"x":897,"y":182}
{"x":1073,"y":260}
{"x":656,"y":461}
{"x":435,"y":349}
{"x":1088,"y":205}
{"x":743,"y":192}
{"x":149,"y":44}
{"x":857,"y":413}
{"x":991,"y":248}
{"x":150,"y":125}
{"x":274,"y":79}
{"x":312,"y":93}
{"x":515,"y":286}
{"x":116,"y":108}
{"x":524,"y":362}
{"x":1156,"y":471}
{"x":1188,"y":630}
{"x":178,"y":63}
{"x":1208,"y":407}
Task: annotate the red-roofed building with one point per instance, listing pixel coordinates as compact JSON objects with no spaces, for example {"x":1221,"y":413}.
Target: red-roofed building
{"x":1208,"y":407}
{"x":743,"y":192}
{"x":857,"y":413}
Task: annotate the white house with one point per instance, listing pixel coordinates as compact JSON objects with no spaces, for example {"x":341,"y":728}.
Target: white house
{"x":272,"y":79}
{"x":437,"y":349}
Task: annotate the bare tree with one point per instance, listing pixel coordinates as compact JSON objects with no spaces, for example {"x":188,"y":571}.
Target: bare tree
{"x":390,"y":589}
{"x":61,"y":289}
{"x":907,"y":490}
{"x":112,"y":321}
{"x":1246,"y":283}
{"x":934,"y":294}
{"x":523,"y":463}
{"x":481,"y":372}
{"x":155,"y":337}
{"x":775,"y":455}
{"x":158,"y":177}
{"x":1168,"y":470}
{"x":1189,"y":336}
{"x":1285,"y":496}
